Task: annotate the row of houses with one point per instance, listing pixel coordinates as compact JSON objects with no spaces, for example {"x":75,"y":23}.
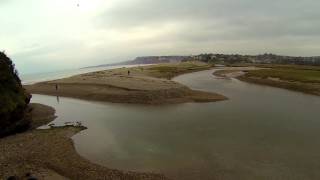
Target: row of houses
{"x":264,"y":58}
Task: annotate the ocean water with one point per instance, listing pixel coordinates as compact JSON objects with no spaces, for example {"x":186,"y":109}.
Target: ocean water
{"x":39,"y":77}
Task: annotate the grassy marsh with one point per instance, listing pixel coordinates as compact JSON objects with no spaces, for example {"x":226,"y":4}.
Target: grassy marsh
{"x":299,"y":78}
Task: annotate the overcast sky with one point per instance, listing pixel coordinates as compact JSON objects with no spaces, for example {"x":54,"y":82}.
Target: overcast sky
{"x":48,"y":35}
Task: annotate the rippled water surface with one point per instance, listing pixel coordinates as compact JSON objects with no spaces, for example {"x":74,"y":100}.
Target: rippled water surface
{"x":260,"y":133}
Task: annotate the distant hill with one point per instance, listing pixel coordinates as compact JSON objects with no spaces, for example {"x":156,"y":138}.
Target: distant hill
{"x":158,"y":59}
{"x":13,"y":99}
{"x":222,"y":59}
{"x":257,"y":59}
{"x":148,"y":60}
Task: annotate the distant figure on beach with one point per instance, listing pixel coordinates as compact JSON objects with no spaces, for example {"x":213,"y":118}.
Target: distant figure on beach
{"x":128,"y":73}
{"x":56,"y":87}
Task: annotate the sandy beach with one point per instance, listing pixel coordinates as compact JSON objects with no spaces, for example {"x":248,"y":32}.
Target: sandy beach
{"x":141,"y":85}
{"x":49,"y":154}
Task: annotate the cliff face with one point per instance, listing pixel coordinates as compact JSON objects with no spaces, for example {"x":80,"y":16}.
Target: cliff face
{"x":13,"y":99}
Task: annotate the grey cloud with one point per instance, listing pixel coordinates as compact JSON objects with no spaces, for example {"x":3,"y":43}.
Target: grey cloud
{"x":254,"y":26}
{"x":242,"y":18}
{"x":37,"y":33}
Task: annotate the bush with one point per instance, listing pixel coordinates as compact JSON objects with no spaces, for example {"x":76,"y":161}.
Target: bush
{"x":13,"y":98}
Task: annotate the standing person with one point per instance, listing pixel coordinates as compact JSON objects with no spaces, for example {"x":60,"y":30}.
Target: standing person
{"x":128,"y":73}
{"x":56,"y":87}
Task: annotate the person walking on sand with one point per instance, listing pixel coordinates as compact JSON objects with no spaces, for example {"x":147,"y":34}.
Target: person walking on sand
{"x":56,"y":87}
{"x":128,"y":73}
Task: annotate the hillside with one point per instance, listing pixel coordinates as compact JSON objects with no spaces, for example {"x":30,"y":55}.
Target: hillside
{"x":13,"y":99}
{"x":148,"y":60}
{"x":233,"y":59}
{"x":227,"y":59}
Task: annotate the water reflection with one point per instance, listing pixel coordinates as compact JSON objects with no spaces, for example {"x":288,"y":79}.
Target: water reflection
{"x":260,"y":133}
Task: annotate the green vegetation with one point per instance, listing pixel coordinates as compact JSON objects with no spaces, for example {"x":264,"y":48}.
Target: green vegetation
{"x":294,"y":77}
{"x":169,"y":71}
{"x":233,"y":59}
{"x":288,"y":66}
{"x":289,"y":73}
{"x":13,"y":99}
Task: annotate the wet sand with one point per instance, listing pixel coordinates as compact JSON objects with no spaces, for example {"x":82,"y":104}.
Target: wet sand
{"x":240,"y":73}
{"x":233,"y":72}
{"x":50,"y":154}
{"x":143,"y":85}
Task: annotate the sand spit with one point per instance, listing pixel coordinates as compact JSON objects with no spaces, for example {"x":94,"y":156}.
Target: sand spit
{"x":141,"y":85}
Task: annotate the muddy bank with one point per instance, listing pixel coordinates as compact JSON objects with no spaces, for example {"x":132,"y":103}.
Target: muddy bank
{"x":50,"y":154}
{"x":308,"y":88}
{"x":233,"y":72}
{"x":40,"y":115}
{"x":293,"y":78}
{"x":142,"y":85}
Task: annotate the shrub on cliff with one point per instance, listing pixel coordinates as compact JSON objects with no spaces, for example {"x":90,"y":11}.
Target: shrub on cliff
{"x":13,"y":99}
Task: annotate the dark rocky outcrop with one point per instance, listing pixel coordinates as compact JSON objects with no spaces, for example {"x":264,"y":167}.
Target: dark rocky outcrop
{"x":14,"y":99}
